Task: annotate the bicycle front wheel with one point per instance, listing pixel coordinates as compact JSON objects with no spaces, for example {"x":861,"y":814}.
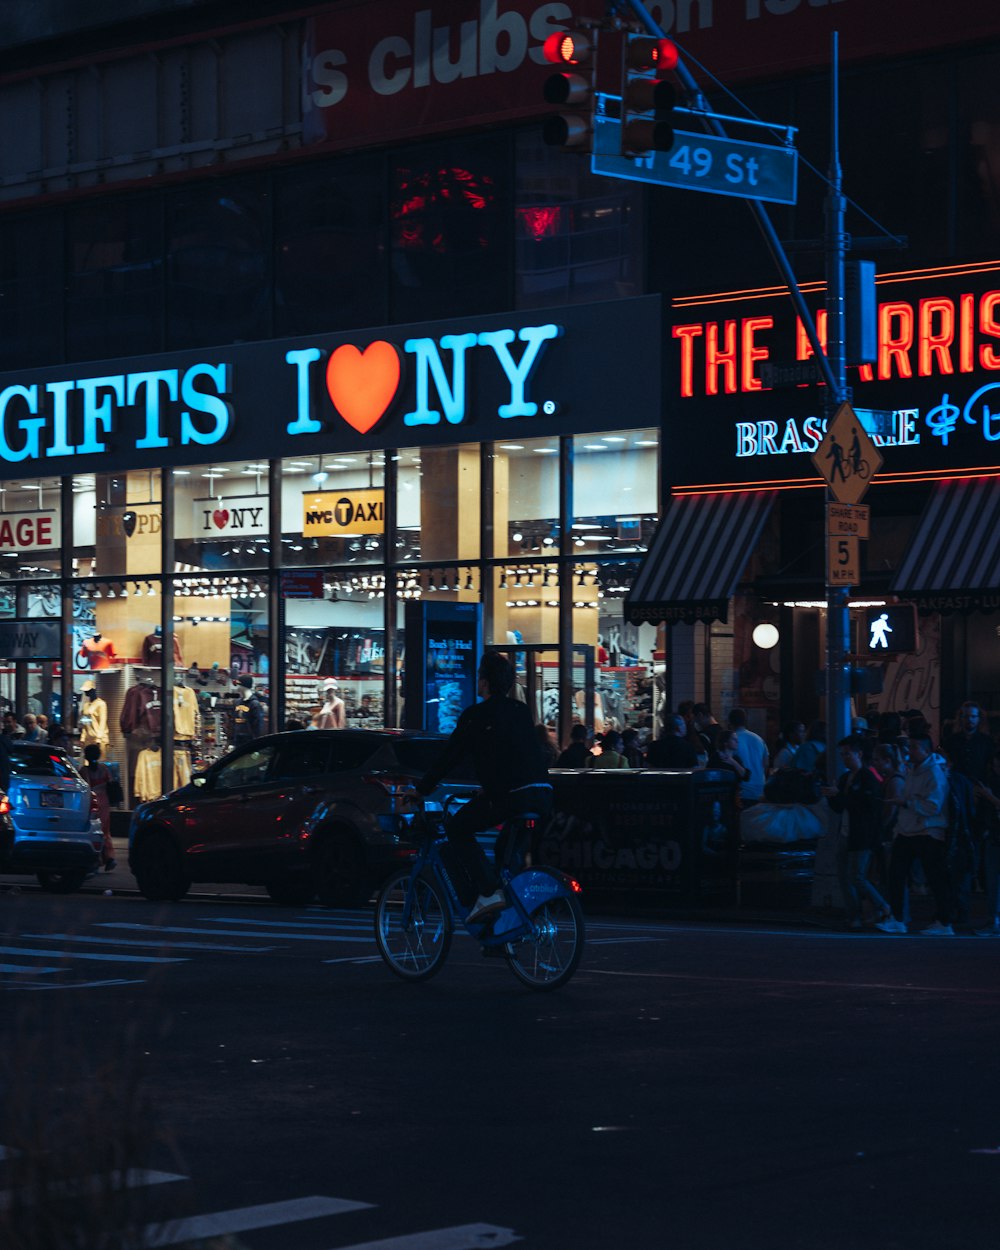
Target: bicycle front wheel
{"x":549,"y":955}
{"x":412,"y":925}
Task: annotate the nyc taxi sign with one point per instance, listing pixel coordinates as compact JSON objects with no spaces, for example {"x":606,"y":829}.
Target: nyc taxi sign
{"x":342,"y":513}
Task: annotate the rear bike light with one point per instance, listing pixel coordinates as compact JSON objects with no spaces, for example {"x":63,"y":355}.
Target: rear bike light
{"x":5,"y":806}
{"x":575,"y":886}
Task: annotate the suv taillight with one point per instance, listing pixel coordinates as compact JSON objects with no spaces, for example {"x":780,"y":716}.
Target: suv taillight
{"x":94,"y":808}
{"x":5,"y":807}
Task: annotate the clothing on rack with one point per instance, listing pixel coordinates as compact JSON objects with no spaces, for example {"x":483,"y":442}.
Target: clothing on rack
{"x":142,"y":709}
{"x":182,"y":766}
{"x":148,"y":775}
{"x":185,"y":713}
{"x":92,"y":721}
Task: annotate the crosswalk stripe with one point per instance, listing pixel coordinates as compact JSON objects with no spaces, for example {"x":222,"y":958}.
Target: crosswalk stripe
{"x":113,"y":941}
{"x":460,"y":1237}
{"x":25,"y":968}
{"x":243,"y":1219}
{"x":80,"y":985}
{"x":295,"y":937}
{"x":357,"y":926}
{"x":116,"y":959}
{"x":134,"y":1178}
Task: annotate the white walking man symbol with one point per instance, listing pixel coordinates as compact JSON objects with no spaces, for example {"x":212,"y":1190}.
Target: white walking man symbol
{"x":880,"y":629}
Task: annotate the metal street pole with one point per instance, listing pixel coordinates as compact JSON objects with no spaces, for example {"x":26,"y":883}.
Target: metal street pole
{"x":838,"y":670}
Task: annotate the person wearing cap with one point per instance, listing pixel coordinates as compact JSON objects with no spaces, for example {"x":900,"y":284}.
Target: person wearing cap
{"x":248,"y":715}
{"x":333,"y":713}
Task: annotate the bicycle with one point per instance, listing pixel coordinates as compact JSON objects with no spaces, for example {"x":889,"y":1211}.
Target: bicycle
{"x":540,"y":932}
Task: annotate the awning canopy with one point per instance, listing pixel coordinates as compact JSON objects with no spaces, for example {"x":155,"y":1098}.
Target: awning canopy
{"x":953,"y":563}
{"x":697,"y":557}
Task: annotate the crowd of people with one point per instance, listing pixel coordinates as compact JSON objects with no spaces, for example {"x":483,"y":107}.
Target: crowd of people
{"x":914,"y":818}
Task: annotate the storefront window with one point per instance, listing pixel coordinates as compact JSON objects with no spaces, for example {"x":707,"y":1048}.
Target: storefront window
{"x":335,"y":652}
{"x":526,"y":498}
{"x":117,"y":523}
{"x":30,"y":513}
{"x":221,"y":518}
{"x":438,"y":503}
{"x":333,"y":509}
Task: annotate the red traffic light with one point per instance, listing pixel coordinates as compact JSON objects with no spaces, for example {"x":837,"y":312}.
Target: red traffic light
{"x":568,"y":47}
{"x":644,"y":54}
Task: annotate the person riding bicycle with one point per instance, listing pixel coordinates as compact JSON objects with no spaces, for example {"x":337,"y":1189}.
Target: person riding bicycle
{"x":498,"y":736}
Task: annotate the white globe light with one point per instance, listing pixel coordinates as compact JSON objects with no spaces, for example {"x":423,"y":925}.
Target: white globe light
{"x":765,"y":635}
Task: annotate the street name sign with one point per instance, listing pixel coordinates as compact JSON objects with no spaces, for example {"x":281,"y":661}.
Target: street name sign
{"x":699,"y":162}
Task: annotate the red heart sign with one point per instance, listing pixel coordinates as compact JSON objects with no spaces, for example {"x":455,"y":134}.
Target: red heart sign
{"x":220,"y":516}
{"x":362,"y":385}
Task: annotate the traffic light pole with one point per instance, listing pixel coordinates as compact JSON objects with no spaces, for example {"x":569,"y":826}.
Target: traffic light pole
{"x":831,"y":362}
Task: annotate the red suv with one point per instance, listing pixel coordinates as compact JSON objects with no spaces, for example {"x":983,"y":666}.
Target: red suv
{"x":306,"y":814}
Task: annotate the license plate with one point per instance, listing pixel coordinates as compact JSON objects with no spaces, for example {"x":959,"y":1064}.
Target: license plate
{"x":52,"y":798}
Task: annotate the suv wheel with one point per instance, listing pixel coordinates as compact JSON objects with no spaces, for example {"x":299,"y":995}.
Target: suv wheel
{"x":340,"y":872}
{"x":159,"y":874}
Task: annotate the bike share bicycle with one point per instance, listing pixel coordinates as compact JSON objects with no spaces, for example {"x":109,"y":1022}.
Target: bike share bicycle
{"x":540,"y":932}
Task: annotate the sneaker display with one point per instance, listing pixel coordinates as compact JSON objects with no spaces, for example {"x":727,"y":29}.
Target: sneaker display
{"x":892,"y":926}
{"x":938,"y":930}
{"x":485,"y":905}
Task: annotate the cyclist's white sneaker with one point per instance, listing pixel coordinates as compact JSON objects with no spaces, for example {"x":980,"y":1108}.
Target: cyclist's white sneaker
{"x":937,"y":929}
{"x":485,"y":905}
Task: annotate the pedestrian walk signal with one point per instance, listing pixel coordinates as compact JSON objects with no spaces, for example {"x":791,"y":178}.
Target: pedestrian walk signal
{"x":889,"y":630}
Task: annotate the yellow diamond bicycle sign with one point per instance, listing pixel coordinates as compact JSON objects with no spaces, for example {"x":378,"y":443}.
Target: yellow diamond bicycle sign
{"x":847,"y":459}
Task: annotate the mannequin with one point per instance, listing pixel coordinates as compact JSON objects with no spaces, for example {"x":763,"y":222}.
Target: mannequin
{"x":93,"y":718}
{"x":249,"y":717}
{"x":152,"y":649}
{"x":333,"y":714}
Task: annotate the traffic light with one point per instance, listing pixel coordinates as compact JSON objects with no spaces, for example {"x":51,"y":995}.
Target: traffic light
{"x":573,"y":89}
{"x":647,"y":98}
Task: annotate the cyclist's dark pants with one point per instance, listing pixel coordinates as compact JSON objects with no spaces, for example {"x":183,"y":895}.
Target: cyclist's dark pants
{"x":471,"y":872}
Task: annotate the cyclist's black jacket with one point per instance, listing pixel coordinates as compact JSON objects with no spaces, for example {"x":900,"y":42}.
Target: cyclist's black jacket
{"x":498,"y":736}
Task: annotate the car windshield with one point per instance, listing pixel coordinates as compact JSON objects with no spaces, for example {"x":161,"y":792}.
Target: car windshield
{"x":41,"y":763}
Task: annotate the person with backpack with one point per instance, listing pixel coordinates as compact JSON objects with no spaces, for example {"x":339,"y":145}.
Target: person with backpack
{"x":921,"y":833}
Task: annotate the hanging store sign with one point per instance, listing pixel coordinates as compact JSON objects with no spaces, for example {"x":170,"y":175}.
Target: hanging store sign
{"x":475,"y":379}
{"x":929,"y":403}
{"x":232,"y":516}
{"x":29,"y":531}
{"x":342,"y":513}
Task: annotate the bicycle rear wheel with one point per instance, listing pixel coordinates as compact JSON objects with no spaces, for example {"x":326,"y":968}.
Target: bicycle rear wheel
{"x":414,"y":942}
{"x":549,"y":955}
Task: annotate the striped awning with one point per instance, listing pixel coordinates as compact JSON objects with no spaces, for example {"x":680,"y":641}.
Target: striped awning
{"x":697,"y":557}
{"x":953,"y":563}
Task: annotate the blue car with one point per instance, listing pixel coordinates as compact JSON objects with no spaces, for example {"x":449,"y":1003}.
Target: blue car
{"x":50,"y":827}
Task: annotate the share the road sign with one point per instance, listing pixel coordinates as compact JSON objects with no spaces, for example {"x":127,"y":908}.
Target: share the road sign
{"x":847,"y":459}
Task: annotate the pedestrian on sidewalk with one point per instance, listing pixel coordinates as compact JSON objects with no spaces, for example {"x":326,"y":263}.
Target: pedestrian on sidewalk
{"x":921,"y":833}
{"x":97,"y":775}
{"x":988,"y":797}
{"x":858,"y":793}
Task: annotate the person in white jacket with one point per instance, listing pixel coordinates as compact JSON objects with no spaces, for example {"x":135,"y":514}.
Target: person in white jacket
{"x":921,"y":833}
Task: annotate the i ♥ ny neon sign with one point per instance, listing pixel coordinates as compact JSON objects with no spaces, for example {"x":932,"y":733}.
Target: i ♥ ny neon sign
{"x":364,"y":385}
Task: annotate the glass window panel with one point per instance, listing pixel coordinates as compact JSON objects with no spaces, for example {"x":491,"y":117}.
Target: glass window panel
{"x":526,"y":497}
{"x":218,"y":275}
{"x":438,"y":503}
{"x":317,"y":526}
{"x":330,"y":237}
{"x":117,"y":519}
{"x":615,"y":491}
{"x":450,"y":228}
{"x":335,"y":652}
{"x":30,"y":518}
{"x":248,"y":769}
{"x":31,"y":290}
{"x":221,"y":517}
{"x":578,"y":236}
{"x":114,"y":296}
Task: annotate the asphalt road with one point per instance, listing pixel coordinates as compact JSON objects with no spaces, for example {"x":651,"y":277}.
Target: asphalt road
{"x":696,"y":1086}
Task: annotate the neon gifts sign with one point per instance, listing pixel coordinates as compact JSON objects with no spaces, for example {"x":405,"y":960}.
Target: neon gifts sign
{"x":36,"y":421}
{"x":364,"y":385}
